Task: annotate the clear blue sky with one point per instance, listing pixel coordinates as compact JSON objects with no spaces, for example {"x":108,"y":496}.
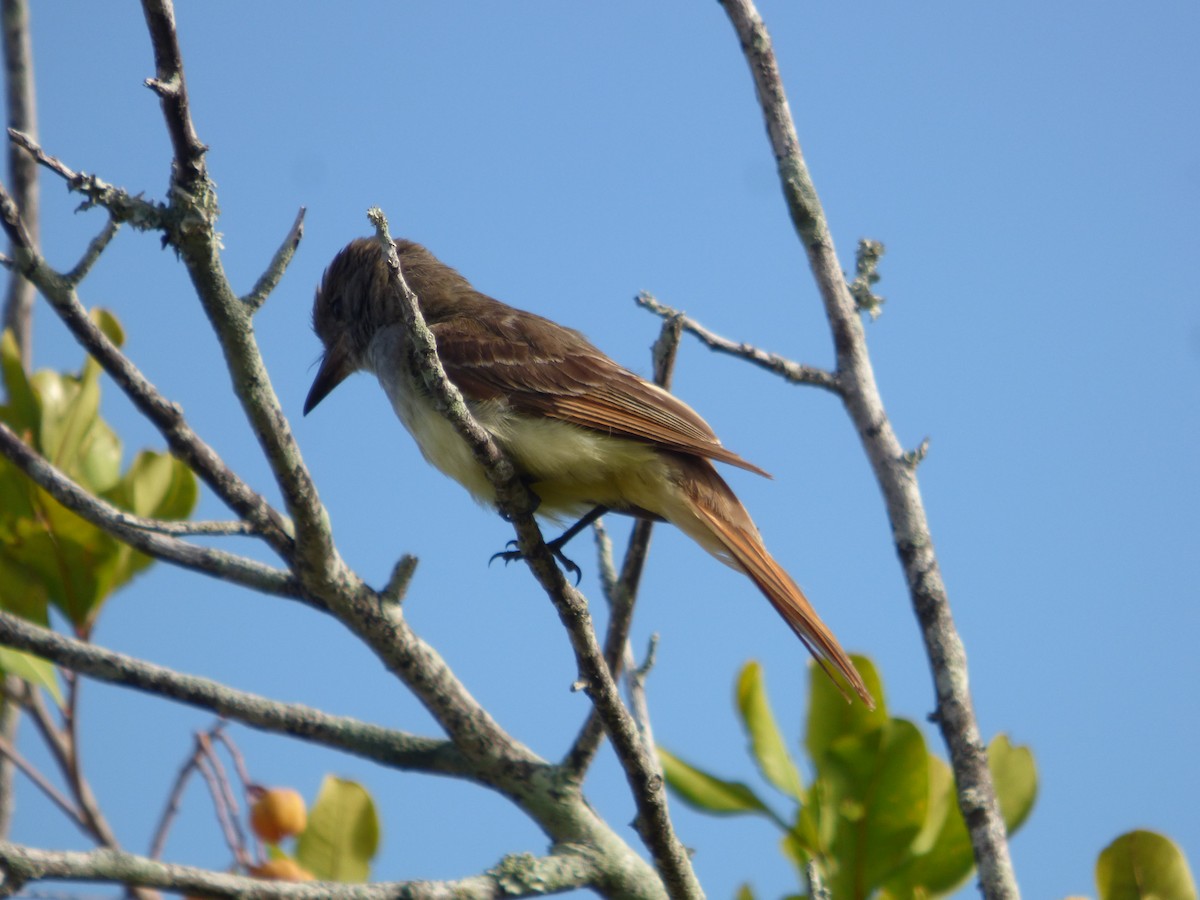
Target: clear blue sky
{"x":1033,"y":171}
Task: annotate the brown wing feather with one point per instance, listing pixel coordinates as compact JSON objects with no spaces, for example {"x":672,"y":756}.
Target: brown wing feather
{"x":542,"y":367}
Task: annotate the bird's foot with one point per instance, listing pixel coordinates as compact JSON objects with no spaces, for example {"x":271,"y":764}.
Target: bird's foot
{"x":513,"y":554}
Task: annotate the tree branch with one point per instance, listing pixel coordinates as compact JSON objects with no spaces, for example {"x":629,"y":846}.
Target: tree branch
{"x":22,"y":168}
{"x":127,"y":528}
{"x":514,"y":876}
{"x":895,"y":474}
{"x":57,"y":797}
{"x":795,"y":372}
{"x":167,"y":416}
{"x":383,"y":745}
{"x":122,"y":206}
{"x":278,"y":265}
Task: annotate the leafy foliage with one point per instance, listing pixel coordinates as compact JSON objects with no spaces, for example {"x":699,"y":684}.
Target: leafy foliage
{"x":48,"y":554}
{"x":342,"y":834}
{"x":1144,"y":865}
{"x":879,"y":818}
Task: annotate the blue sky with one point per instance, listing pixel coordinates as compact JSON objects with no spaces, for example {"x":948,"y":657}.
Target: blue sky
{"x":1033,"y":171}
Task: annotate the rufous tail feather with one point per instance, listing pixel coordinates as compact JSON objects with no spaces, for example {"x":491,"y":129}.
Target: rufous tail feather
{"x":734,"y":530}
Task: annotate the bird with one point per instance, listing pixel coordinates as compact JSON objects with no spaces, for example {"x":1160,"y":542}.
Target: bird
{"x":585,"y":434}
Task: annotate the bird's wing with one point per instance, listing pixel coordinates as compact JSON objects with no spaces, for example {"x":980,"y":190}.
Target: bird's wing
{"x":541,"y":367}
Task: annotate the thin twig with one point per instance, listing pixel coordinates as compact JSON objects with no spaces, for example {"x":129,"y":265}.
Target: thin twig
{"x":189,"y":173}
{"x":894,"y":472}
{"x":207,"y":766}
{"x":158,"y":841}
{"x":279,"y":263}
{"x":95,"y":247}
{"x":228,"y":797}
{"x":399,"y":580}
{"x":795,"y":372}
{"x":43,"y":784}
{"x":167,"y":416}
{"x":219,"y":563}
{"x":85,"y":798}
{"x":121,"y":205}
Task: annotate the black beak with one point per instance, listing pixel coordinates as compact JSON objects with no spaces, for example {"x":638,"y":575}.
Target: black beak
{"x":336,"y":365}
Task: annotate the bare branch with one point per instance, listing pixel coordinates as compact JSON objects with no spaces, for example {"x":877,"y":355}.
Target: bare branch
{"x":95,"y":247}
{"x":279,"y":263}
{"x":795,"y":372}
{"x":189,"y":173}
{"x":167,"y":416}
{"x":43,"y":784}
{"x":89,"y":805}
{"x":121,"y":205}
{"x":206,"y":765}
{"x":514,"y":876}
{"x":158,"y":842}
{"x":218,"y":563}
{"x":401,"y":577}
{"x":22,"y":169}
{"x":894,"y":472}
{"x":383,"y":745}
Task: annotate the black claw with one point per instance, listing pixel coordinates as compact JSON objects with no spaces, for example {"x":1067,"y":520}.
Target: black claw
{"x":510,"y":555}
{"x":555,"y":547}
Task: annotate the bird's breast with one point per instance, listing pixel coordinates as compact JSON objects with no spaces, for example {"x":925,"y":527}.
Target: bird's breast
{"x":571,"y":468}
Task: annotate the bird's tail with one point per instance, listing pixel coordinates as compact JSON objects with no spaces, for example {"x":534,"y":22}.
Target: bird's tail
{"x":720,"y":524}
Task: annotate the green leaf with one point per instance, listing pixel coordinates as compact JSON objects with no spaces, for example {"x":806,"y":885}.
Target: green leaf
{"x":156,"y":486}
{"x":1144,"y":865}
{"x":72,"y":560}
{"x":21,"y":592}
{"x":814,"y":826}
{"x":766,"y":743}
{"x":830,"y":717}
{"x":159,"y":486}
{"x":342,"y":835}
{"x":37,"y":671}
{"x":21,"y":410}
{"x":880,"y":782}
{"x":744,"y":892}
{"x":941,"y":804}
{"x":708,"y":793}
{"x":107,"y":322}
{"x":1015,"y":777}
{"x":941,"y":866}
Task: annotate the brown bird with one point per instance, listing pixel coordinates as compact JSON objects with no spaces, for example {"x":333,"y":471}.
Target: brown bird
{"x":583,"y":431}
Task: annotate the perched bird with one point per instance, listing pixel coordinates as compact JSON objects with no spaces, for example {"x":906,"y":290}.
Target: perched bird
{"x":582,"y":431}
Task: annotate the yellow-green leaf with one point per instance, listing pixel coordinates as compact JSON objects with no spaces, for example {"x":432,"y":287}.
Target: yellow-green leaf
{"x":1015,"y":777}
{"x":21,"y":410}
{"x":766,"y":743}
{"x":37,"y":671}
{"x":941,"y":866}
{"x":830,"y":717}
{"x":1144,"y":865}
{"x":706,"y":792}
{"x":342,"y":833}
{"x":880,"y":783}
